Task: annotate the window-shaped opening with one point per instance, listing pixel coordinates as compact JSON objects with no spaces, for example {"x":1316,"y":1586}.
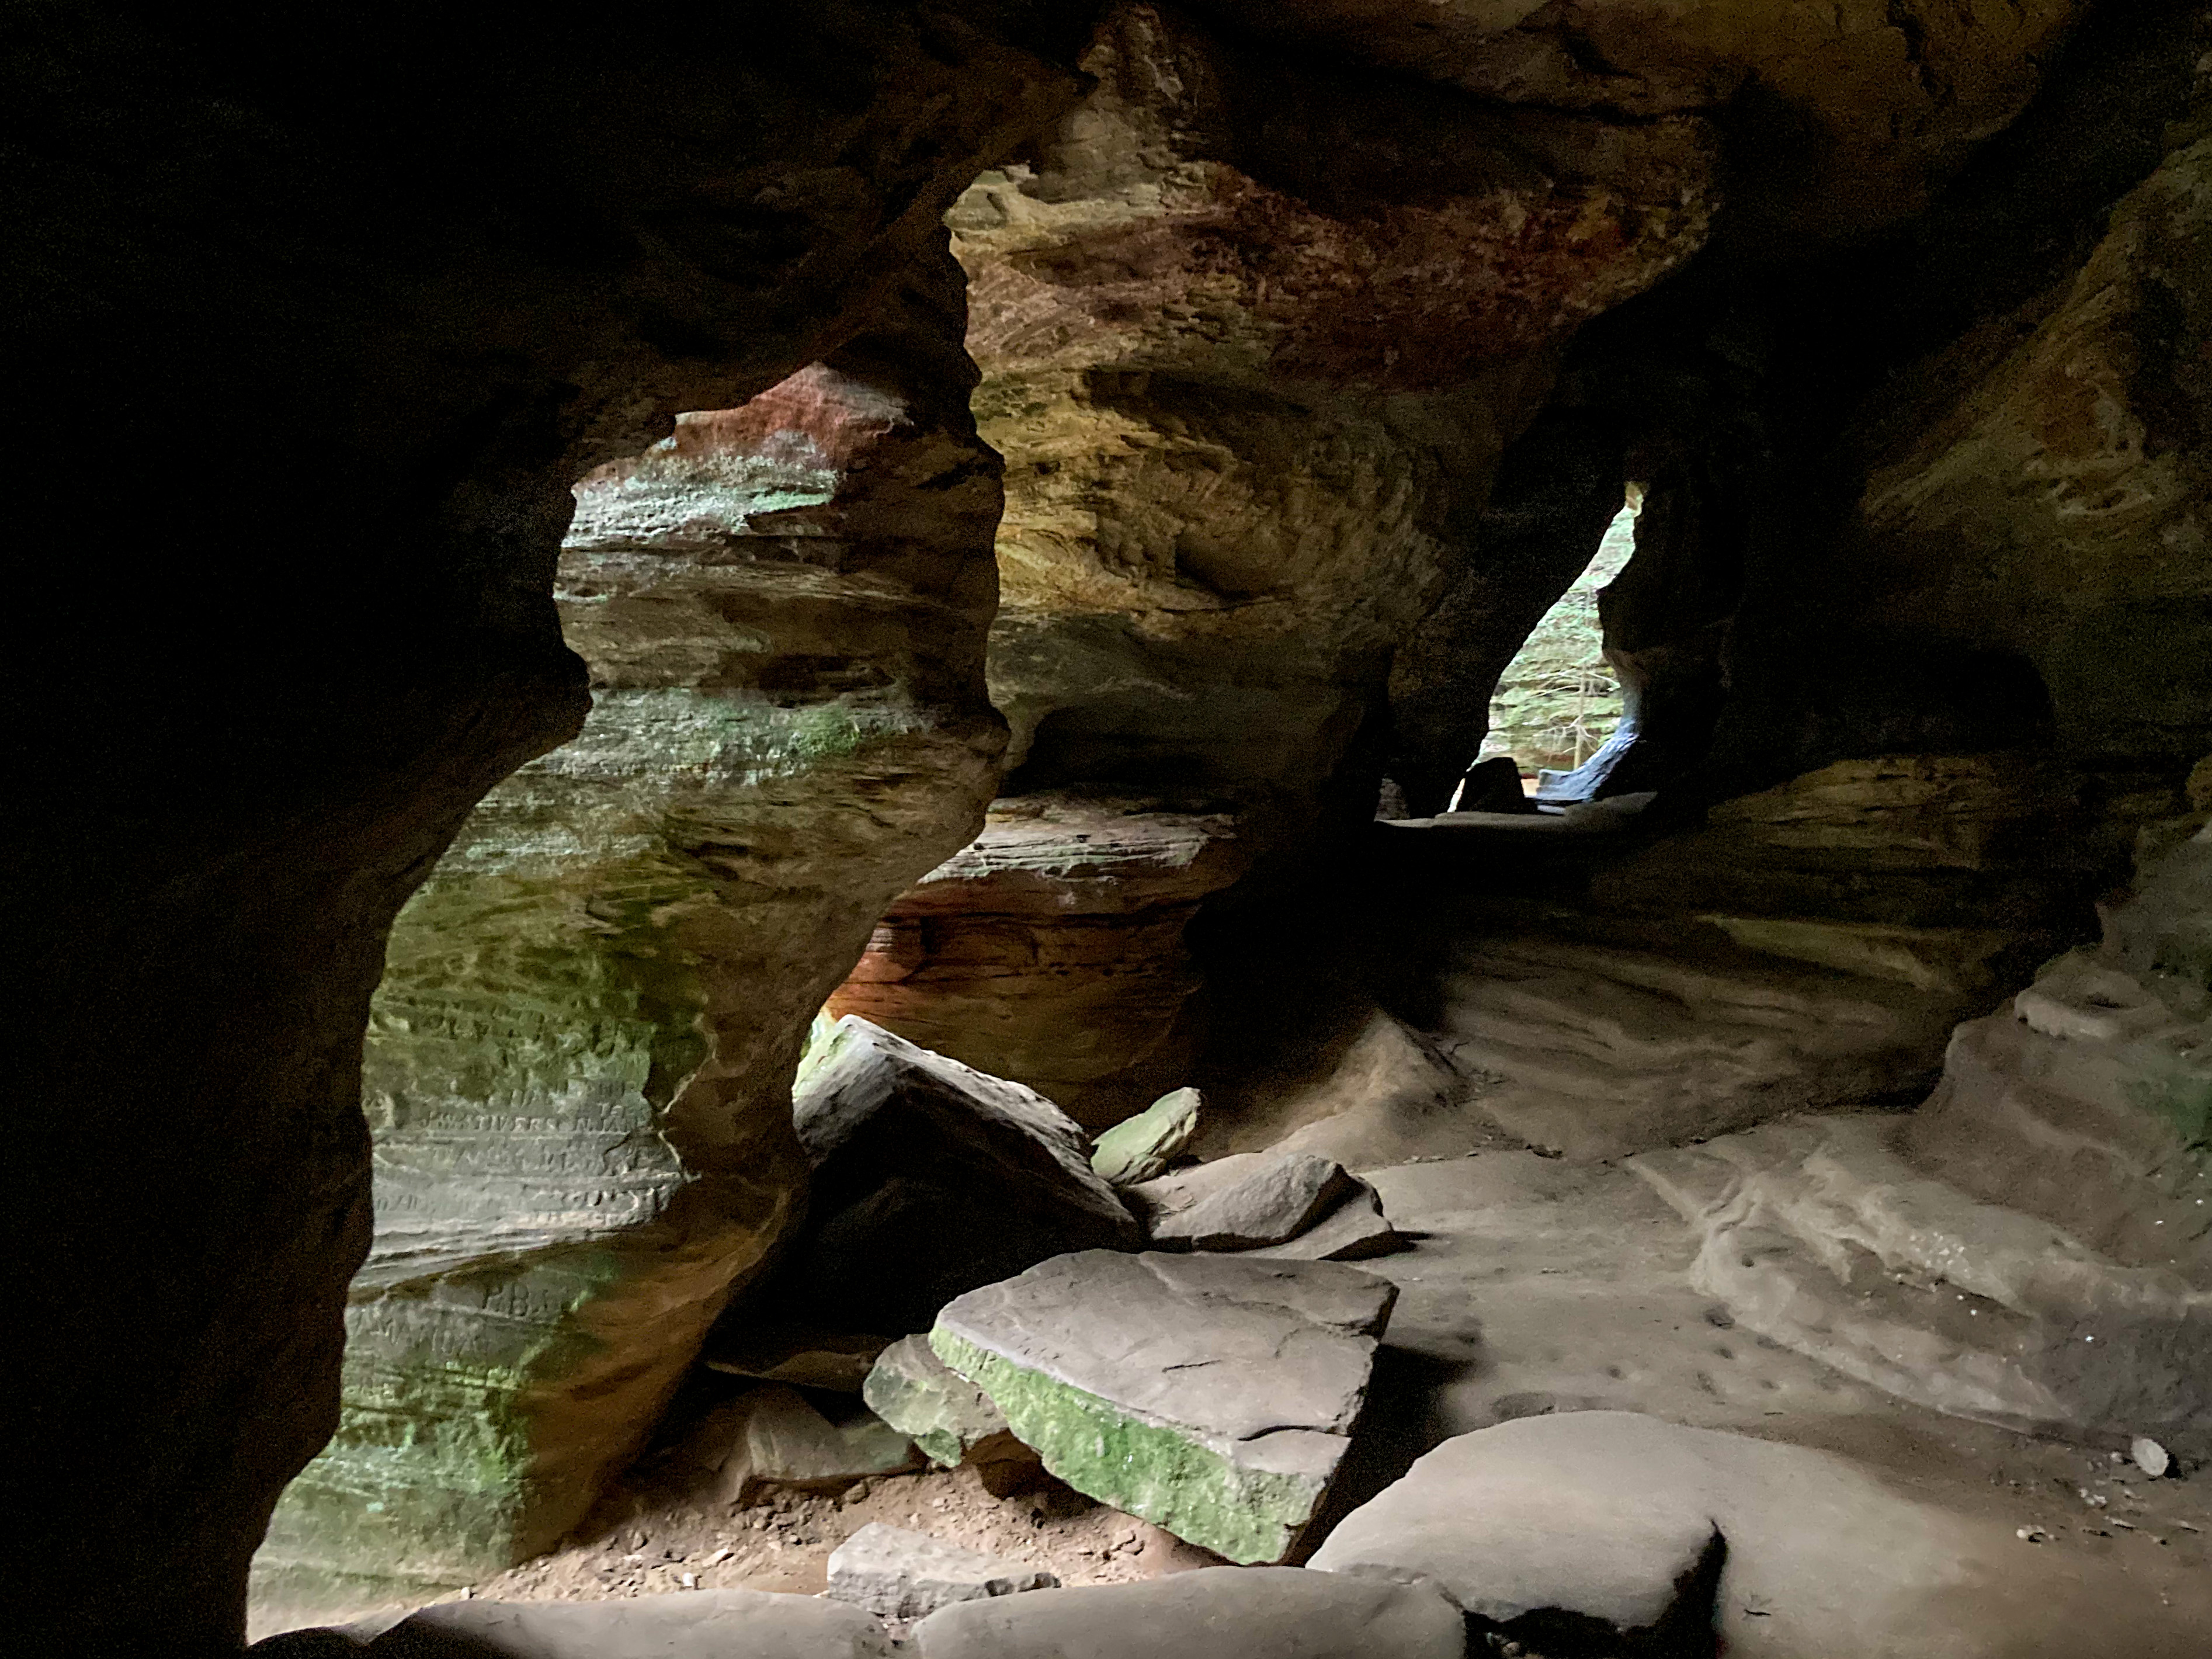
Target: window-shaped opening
{"x":1559,"y":700}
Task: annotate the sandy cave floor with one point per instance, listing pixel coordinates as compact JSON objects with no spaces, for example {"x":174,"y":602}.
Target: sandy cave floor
{"x":1534,"y":1285}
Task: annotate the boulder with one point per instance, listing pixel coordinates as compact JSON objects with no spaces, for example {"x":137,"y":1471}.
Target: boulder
{"x":1210,"y":1395}
{"x":1354,"y":1230}
{"x":1618,"y":1531}
{"x":774,"y":1436}
{"x":900,"y":1575}
{"x":931,"y":1179}
{"x":948,"y":1417}
{"x":698,"y":1625}
{"x":1221,"y":1612}
{"x":1140,"y":1148}
{"x":1245,"y":1199}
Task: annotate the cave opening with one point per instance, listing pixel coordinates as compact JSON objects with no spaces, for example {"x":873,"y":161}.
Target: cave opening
{"x":930,"y":1108}
{"x":1559,"y":700}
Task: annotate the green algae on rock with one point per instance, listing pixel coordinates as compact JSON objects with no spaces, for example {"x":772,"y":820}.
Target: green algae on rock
{"x":578,"y":1067}
{"x":1212,"y":1397}
{"x":1140,"y":1148}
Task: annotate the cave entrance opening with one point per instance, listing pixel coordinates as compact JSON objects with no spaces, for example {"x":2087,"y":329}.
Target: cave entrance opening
{"x":1559,"y":699}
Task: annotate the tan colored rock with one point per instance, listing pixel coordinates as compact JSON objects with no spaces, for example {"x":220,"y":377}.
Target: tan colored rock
{"x":1246,"y":398}
{"x":1849,"y":114}
{"x":1050,"y":949}
{"x":577,"y":1077}
{"x":2049,"y":494}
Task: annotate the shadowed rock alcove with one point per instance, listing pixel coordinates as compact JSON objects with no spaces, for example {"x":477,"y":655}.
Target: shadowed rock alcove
{"x":706,"y":960}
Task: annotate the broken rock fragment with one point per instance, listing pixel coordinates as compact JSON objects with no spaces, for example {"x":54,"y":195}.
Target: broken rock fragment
{"x":948,"y":1417}
{"x":1354,"y":1230}
{"x":1140,"y":1148}
{"x":1213,"y":1396}
{"x":930,"y":1179}
{"x":774,"y":1436}
{"x":1238,"y":1202}
{"x":902,"y":1575}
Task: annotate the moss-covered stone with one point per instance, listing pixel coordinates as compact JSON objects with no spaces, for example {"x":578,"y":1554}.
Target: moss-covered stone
{"x":577,"y":1066}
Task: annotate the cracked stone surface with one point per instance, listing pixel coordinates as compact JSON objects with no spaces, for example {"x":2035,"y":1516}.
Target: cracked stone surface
{"x":1211,"y":1395}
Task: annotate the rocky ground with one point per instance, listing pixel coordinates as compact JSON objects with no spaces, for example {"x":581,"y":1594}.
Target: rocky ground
{"x":1532,"y":1285}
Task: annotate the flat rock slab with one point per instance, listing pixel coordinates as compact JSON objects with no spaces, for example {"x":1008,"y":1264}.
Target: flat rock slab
{"x":1140,"y":1148}
{"x":699,"y":1625}
{"x":1353,"y":1231}
{"x":1214,"y":1613}
{"x":1542,"y":1525}
{"x":931,"y":1179}
{"x":836,"y":1360}
{"x":904,"y":1576}
{"x":1238,"y":1202}
{"x":1211,"y":1395}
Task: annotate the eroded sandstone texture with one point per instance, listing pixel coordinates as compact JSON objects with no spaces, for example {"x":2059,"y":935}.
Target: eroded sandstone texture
{"x":363,"y":307}
{"x":578,"y":1071}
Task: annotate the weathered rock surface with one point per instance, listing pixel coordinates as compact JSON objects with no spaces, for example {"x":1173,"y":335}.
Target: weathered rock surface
{"x":1250,"y":404}
{"x":1245,"y":1199}
{"x":576,"y":1069}
{"x":2040,"y":476}
{"x":1819,"y":1235}
{"x":1356,"y":1230}
{"x":2085,"y":1102}
{"x":900,"y":1575}
{"x":1051,"y":951}
{"x":804,"y":1358}
{"x":1847,"y":118}
{"x":949,"y":1418}
{"x":217,"y":830}
{"x":1223,"y":1611}
{"x":1140,"y":1148}
{"x":702,"y":1624}
{"x":1598,"y":1049}
{"x":1548,"y":1526}
{"x":931,"y":1179}
{"x":774,"y":1436}
{"x":1212,"y":1397}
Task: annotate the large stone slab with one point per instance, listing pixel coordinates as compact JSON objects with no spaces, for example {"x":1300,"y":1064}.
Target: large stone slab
{"x":930,"y":1179}
{"x":1628,"y":1532}
{"x":1212,"y":1396}
{"x":699,"y":1625}
{"x":900,"y":1575}
{"x":1219,"y":1612}
{"x":1051,"y":949}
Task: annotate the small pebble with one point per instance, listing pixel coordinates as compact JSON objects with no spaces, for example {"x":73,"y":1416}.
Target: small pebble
{"x":2150,"y":1457}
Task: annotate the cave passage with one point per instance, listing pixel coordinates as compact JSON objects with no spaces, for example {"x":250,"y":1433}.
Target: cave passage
{"x":1008,"y":828}
{"x":1559,"y":700}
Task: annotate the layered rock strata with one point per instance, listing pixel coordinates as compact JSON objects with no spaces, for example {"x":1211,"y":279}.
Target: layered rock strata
{"x":244,"y":233}
{"x":577,"y":1066}
{"x":1251,"y":402}
{"x":1821,"y":1235}
{"x":1051,"y":949}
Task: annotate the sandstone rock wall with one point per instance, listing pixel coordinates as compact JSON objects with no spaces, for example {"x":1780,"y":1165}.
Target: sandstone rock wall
{"x":577,"y":1070}
{"x":316,"y":316}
